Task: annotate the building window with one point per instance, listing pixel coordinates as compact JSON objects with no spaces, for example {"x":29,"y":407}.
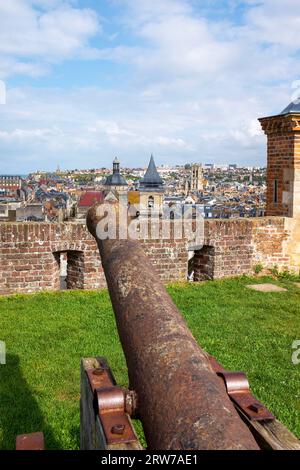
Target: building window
{"x":275,"y":192}
{"x":150,"y":202}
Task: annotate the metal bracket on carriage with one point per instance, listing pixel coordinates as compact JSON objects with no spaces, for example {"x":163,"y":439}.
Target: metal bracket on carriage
{"x":113,"y":405}
{"x":238,"y":390}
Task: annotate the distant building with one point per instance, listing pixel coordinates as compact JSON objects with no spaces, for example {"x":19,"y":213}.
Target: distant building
{"x":133,"y":203}
{"x":87,"y":200}
{"x":9,"y":185}
{"x":33,"y":212}
{"x":151,"y":189}
{"x":8,"y":210}
{"x":197,"y":178}
{"x":116,"y":181}
{"x":195,"y":182}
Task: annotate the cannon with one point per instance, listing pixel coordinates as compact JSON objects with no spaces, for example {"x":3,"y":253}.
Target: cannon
{"x":184,"y":398}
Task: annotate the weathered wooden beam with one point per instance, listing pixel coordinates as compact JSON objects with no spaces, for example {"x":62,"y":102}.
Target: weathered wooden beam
{"x":271,"y":435}
{"x":92,"y":435}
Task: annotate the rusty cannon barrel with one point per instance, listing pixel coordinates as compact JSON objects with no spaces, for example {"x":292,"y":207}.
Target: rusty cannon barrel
{"x":183,"y":404}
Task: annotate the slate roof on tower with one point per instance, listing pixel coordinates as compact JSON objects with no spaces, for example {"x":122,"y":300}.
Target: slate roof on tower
{"x":151,"y":181}
{"x":293,"y":107}
{"x":116,"y":179}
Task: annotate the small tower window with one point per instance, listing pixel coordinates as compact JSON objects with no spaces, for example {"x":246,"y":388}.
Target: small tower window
{"x":275,"y":192}
{"x":150,"y":202}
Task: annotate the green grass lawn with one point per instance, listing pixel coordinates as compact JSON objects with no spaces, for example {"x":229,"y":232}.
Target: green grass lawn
{"x":47,"y":334}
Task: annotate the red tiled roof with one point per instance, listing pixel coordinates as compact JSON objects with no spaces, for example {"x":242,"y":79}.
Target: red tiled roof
{"x":90,"y":198}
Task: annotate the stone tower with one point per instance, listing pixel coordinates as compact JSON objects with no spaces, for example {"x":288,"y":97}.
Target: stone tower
{"x":116,"y":181}
{"x":151,"y":190}
{"x":196,"y":177}
{"x":283,"y":168}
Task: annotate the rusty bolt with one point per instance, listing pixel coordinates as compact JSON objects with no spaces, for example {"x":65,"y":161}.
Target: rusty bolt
{"x":118,"y":429}
{"x":256,"y":407}
{"x":98,"y":371}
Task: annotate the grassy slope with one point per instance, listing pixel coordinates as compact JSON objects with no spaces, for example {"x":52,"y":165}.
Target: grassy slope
{"x":46,"y":335}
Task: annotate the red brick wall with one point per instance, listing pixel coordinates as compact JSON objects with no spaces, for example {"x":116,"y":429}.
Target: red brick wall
{"x":296,"y":176}
{"x":234,"y":247}
{"x":280,"y":156}
{"x":204,"y":264}
{"x":283,"y":134}
{"x":29,"y":253}
{"x":29,"y":257}
{"x":269,"y":240}
{"x":75,"y":270}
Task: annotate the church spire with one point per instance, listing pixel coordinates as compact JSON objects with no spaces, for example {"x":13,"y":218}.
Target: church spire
{"x":151,"y":180}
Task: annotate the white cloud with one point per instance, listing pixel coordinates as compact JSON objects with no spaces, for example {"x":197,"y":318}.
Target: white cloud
{"x":182,"y":51}
{"x":191,"y":51}
{"x":12,"y":67}
{"x":92,"y":125}
{"x":166,"y":141}
{"x":192,"y":89}
{"x":31,"y":38}
{"x":23,"y":134}
{"x":145,"y":11}
{"x":275,"y":22}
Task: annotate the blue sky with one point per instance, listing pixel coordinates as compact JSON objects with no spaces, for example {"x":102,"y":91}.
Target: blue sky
{"x":184,"y":79}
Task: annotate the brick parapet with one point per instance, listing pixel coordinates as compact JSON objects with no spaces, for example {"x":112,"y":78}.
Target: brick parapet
{"x":29,"y":257}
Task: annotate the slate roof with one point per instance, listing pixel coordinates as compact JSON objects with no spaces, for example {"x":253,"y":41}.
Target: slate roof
{"x":293,"y":107}
{"x":116,"y":179}
{"x":151,"y":180}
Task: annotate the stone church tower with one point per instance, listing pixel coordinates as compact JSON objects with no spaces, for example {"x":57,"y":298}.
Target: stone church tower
{"x":196,"y":178}
{"x":151,"y":190}
{"x":194,"y":182}
{"x":283,"y":168}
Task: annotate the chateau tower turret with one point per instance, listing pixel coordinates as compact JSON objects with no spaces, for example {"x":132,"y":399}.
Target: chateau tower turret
{"x":283,"y":168}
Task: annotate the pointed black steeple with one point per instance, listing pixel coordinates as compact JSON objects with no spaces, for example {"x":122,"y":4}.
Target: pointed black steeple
{"x":151,"y":181}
